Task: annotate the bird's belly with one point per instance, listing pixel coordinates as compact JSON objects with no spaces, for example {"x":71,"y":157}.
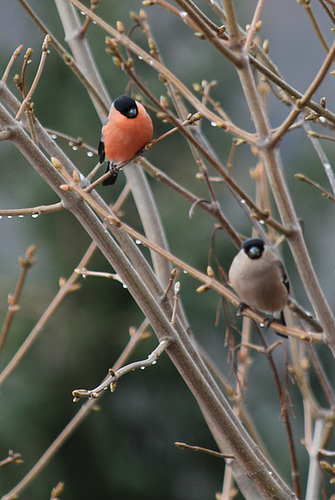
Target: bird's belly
{"x":260,"y":295}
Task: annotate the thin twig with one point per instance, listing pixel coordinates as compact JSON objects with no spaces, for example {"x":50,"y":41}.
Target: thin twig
{"x":15,"y":55}
{"x":85,"y":273}
{"x":329,"y":12}
{"x":253,"y":26}
{"x":73,"y":142}
{"x":314,"y":471}
{"x":87,"y":21}
{"x":174,"y":274}
{"x":26,"y":263}
{"x":301,"y":103}
{"x":323,"y":158}
{"x":207,"y":31}
{"x":312,"y":133}
{"x":285,"y":416}
{"x":324,"y":192}
{"x":322,"y":376}
{"x":13,"y":458}
{"x":45,"y":53}
{"x":290,"y":91}
{"x":308,"y":9}
{"x":33,"y":211}
{"x":176,"y":299}
{"x":114,"y":376}
{"x":213,"y":453}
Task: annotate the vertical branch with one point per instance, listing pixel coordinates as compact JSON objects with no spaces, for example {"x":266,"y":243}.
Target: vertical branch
{"x":314,"y":471}
{"x":82,"y":54}
{"x":140,"y":188}
{"x":272,"y":162}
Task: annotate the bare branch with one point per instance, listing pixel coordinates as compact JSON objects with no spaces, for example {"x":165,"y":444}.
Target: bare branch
{"x":45,"y":53}
{"x":301,"y":103}
{"x":26,"y":263}
{"x":15,"y":55}
{"x":111,"y":380}
{"x":33,"y":211}
{"x":216,"y":454}
{"x":253,"y":26}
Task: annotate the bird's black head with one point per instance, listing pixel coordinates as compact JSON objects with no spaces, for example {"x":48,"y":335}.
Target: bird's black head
{"x":126,"y":106}
{"x":253,"y":247}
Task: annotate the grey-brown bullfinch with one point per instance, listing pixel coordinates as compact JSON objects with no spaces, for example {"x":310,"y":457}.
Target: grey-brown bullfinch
{"x":258,"y":277}
{"x":126,"y":131}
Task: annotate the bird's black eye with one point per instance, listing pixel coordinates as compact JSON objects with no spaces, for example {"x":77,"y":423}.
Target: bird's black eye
{"x":254,"y":252}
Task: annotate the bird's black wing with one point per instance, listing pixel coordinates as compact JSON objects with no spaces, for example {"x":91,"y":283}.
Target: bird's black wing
{"x":101,"y":151}
{"x":285,"y":280}
{"x":110,"y":167}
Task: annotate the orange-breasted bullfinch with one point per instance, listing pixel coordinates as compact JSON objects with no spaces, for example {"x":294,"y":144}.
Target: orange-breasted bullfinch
{"x":126,"y":131}
{"x":258,"y":277}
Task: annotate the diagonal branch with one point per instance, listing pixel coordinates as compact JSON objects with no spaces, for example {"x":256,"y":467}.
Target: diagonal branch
{"x":301,"y":103}
{"x":252,"y":471}
{"x":114,"y":376}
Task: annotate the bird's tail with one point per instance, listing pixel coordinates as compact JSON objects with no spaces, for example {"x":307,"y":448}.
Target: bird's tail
{"x":113,"y":171}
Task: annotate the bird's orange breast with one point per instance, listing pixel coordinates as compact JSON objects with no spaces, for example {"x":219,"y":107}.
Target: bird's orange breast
{"x":124,"y":137}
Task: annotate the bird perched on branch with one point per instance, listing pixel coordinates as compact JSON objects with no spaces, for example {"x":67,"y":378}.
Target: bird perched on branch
{"x":258,"y":277}
{"x":126,"y":131}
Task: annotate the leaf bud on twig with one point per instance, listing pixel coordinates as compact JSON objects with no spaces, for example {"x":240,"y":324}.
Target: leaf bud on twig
{"x":129,"y":63}
{"x":266,"y":46}
{"x":112,"y":45}
{"x":210,"y":272}
{"x":55,"y":162}
{"x":117,"y":61}
{"x":134,"y":16}
{"x":143,"y":15}
{"x":163,"y":102}
{"x":120,"y":27}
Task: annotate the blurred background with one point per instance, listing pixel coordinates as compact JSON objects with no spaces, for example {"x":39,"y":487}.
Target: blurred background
{"x":126,"y":450}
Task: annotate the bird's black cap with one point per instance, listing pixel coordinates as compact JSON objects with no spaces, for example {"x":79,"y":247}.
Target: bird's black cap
{"x":253,"y":247}
{"x":126,"y":106}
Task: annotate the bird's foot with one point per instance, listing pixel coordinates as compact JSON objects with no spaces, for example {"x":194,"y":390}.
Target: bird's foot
{"x":267,"y":322}
{"x":241,"y":307}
